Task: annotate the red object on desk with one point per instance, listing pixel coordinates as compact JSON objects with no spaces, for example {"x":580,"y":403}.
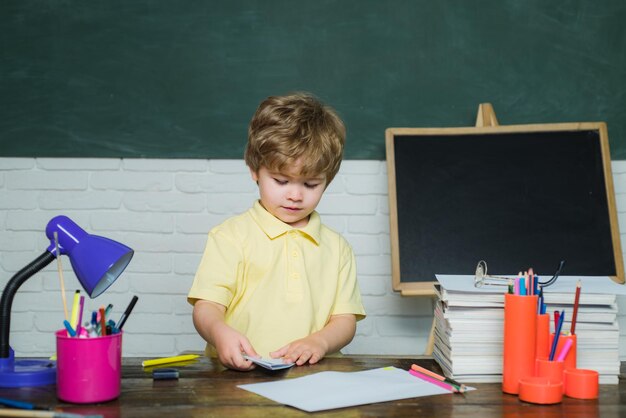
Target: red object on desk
{"x":576,"y":303}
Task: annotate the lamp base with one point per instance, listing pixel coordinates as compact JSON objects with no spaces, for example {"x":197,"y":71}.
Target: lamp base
{"x":26,"y":372}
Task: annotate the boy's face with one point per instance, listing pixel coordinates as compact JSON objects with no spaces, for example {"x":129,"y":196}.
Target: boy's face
{"x":289,"y":196}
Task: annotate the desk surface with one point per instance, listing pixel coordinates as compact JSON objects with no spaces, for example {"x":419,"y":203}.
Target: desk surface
{"x":205,"y":389}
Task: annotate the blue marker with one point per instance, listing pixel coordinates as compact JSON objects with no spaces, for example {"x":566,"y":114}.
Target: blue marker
{"x":69,"y":328}
{"x":522,"y":286}
{"x":94,"y":321}
{"x":114,"y":329}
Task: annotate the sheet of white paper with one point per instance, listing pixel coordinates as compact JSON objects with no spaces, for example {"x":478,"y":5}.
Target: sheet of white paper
{"x":565,"y":284}
{"x":270,"y":363}
{"x":328,"y":390}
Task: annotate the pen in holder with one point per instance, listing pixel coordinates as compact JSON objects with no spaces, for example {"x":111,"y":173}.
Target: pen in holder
{"x":520,"y":336}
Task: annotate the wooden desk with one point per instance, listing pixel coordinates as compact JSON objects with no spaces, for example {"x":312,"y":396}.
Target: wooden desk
{"x":206,"y":389}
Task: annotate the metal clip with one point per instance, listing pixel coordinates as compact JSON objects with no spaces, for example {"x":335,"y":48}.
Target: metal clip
{"x":481,"y":277}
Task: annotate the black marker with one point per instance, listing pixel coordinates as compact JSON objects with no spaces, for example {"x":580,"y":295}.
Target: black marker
{"x":165,"y":374}
{"x":124,"y":316}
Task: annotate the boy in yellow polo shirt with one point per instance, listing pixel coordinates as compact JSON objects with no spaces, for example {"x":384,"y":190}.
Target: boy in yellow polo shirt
{"x":274,"y":281}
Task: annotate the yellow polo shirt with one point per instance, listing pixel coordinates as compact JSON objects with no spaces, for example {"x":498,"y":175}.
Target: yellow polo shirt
{"x":278,"y":283}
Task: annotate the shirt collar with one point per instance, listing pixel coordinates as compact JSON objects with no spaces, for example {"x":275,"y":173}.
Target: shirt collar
{"x":274,"y":227}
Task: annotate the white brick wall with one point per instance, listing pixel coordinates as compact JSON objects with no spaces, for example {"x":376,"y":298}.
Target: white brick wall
{"x":163,"y":210}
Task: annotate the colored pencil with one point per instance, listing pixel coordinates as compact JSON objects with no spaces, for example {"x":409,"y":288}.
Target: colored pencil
{"x":60,"y":270}
{"x":434,"y":381}
{"x":9,"y":412}
{"x":575,"y":314}
{"x":460,"y":386}
{"x":165,"y":360}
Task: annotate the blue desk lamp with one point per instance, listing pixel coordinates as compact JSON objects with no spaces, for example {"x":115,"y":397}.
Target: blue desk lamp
{"x":97,"y":262}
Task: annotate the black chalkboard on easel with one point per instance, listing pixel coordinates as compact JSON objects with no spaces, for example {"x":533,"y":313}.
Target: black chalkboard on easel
{"x":516,"y":196}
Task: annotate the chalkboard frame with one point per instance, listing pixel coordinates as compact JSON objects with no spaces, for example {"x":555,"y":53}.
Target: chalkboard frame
{"x":410,"y":288}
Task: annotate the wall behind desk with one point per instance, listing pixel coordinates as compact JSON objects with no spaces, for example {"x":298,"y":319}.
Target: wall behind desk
{"x":163,"y":209}
{"x":162,"y":79}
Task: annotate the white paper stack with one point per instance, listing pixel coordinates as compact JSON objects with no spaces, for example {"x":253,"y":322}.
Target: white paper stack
{"x":469,"y":326}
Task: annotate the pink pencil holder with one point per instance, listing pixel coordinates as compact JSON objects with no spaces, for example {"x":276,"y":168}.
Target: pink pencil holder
{"x":89,"y":370}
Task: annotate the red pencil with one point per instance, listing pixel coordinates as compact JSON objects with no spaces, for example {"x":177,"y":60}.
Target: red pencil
{"x":576,"y":302}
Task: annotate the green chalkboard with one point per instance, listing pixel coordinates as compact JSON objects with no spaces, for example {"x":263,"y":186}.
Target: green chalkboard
{"x":181,"y":79}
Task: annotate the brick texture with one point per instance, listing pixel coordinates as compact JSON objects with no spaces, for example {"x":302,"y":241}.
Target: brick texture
{"x":163,"y":210}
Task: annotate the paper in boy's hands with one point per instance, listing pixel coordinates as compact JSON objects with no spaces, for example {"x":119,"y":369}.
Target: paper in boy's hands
{"x":269,"y":363}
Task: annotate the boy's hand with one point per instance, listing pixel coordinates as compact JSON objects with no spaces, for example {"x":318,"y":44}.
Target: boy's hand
{"x":310,"y":349}
{"x":338,"y":332}
{"x":230,"y":346}
{"x":208,"y":318}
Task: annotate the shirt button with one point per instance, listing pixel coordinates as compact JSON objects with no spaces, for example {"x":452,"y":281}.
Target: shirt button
{"x":295,"y":276}
{"x":294,"y":254}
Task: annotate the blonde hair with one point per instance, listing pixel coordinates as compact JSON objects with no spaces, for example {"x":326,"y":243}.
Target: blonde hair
{"x":296,"y":127}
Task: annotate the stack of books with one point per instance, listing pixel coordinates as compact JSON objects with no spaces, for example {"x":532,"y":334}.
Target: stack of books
{"x":469,"y":326}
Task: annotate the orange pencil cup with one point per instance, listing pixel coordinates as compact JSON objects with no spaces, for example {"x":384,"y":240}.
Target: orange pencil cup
{"x":540,"y":390}
{"x":569,"y":362}
{"x":581,"y":383}
{"x":520,"y":336}
{"x":542,"y":350}
{"x":551,"y":370}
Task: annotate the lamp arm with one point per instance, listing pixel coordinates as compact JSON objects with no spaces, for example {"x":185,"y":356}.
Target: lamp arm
{"x":9,"y":292}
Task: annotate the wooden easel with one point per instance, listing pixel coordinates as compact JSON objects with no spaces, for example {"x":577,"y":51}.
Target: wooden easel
{"x":486,"y":117}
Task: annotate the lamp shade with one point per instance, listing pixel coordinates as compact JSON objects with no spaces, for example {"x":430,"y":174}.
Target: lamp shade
{"x":97,"y":261}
